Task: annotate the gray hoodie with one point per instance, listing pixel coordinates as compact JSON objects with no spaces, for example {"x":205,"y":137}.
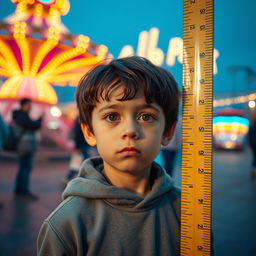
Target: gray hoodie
{"x":99,"y":219}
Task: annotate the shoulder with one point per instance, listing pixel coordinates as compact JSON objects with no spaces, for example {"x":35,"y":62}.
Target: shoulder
{"x":19,"y":114}
{"x":66,"y":225}
{"x":15,"y":113}
{"x":70,"y":210}
{"x":57,"y":234}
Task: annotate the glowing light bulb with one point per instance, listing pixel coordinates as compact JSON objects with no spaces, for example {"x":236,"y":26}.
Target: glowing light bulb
{"x":251,"y":104}
{"x":55,"y":111}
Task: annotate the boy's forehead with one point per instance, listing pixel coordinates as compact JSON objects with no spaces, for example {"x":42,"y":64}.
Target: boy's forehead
{"x":137,"y":102}
{"x":118,"y":93}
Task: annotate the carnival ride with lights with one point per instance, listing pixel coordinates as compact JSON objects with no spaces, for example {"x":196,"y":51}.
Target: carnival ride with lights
{"x":230,"y":127}
{"x":37,"y":51}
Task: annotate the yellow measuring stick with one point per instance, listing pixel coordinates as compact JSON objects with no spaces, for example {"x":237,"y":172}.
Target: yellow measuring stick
{"x":196,"y":180}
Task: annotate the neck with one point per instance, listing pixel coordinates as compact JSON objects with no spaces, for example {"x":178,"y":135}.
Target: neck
{"x":139,"y":184}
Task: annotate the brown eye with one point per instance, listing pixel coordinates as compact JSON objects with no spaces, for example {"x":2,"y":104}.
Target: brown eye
{"x":146,"y":118}
{"x":113,"y":117}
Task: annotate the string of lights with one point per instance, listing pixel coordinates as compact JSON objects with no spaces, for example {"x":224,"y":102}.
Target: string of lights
{"x":250,"y":98}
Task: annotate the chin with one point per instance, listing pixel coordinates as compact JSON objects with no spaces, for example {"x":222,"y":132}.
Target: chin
{"x":133,"y":168}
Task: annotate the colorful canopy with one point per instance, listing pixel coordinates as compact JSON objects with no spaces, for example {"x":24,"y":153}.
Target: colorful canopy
{"x":37,"y":51}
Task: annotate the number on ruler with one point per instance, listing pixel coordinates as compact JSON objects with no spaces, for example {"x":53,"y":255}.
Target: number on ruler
{"x":200,"y":170}
{"x":200,"y":201}
{"x":202,"y":54}
{"x":200,"y":247}
{"x":200,"y":226}
{"x":201,"y":129}
{"x":202,"y":11}
{"x":202,"y":81}
{"x":201,"y":152}
{"x":202,"y":27}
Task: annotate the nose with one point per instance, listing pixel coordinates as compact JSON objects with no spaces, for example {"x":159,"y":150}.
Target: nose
{"x":131,"y":134}
{"x":130,"y":130}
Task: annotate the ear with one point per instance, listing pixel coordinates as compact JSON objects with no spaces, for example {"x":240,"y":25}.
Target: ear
{"x":88,"y":135}
{"x":167,"y":136}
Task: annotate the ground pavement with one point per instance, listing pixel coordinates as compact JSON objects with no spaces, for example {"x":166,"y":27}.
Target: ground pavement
{"x":234,"y":202}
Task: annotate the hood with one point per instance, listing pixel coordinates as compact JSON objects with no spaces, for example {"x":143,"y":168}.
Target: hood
{"x":90,"y":183}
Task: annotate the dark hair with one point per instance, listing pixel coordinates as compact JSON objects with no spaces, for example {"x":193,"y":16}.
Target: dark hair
{"x":132,"y":74}
{"x":24,"y":101}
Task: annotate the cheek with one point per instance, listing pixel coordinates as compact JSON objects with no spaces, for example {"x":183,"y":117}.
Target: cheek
{"x":103,"y":137}
{"x":154,"y":139}
{"x":156,"y":132}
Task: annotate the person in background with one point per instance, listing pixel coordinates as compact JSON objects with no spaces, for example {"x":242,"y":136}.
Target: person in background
{"x":3,"y":133}
{"x":170,"y":151}
{"x":4,"y":130}
{"x":80,"y":153}
{"x":252,"y":143}
{"x":22,"y":119}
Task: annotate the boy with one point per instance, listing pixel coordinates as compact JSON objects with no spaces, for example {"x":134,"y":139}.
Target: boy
{"x":121,"y":203}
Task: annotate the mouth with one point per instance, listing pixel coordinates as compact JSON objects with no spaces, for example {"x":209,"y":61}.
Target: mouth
{"x":129,"y":150}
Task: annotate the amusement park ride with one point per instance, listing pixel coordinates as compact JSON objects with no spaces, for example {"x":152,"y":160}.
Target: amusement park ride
{"x":37,"y":51}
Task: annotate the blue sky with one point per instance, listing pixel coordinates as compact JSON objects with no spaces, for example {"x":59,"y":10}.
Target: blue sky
{"x":118,"y":23}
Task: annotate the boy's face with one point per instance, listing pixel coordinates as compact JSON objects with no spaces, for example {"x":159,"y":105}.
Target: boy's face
{"x":128,"y":134}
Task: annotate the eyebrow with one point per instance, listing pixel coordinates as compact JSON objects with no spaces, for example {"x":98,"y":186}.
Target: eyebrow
{"x":118,"y":106}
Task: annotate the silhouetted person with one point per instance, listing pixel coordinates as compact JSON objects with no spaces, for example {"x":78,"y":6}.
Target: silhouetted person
{"x":170,"y":151}
{"x":28,"y":128}
{"x":81,"y":147}
{"x":252,"y":143}
{"x":3,"y":134}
